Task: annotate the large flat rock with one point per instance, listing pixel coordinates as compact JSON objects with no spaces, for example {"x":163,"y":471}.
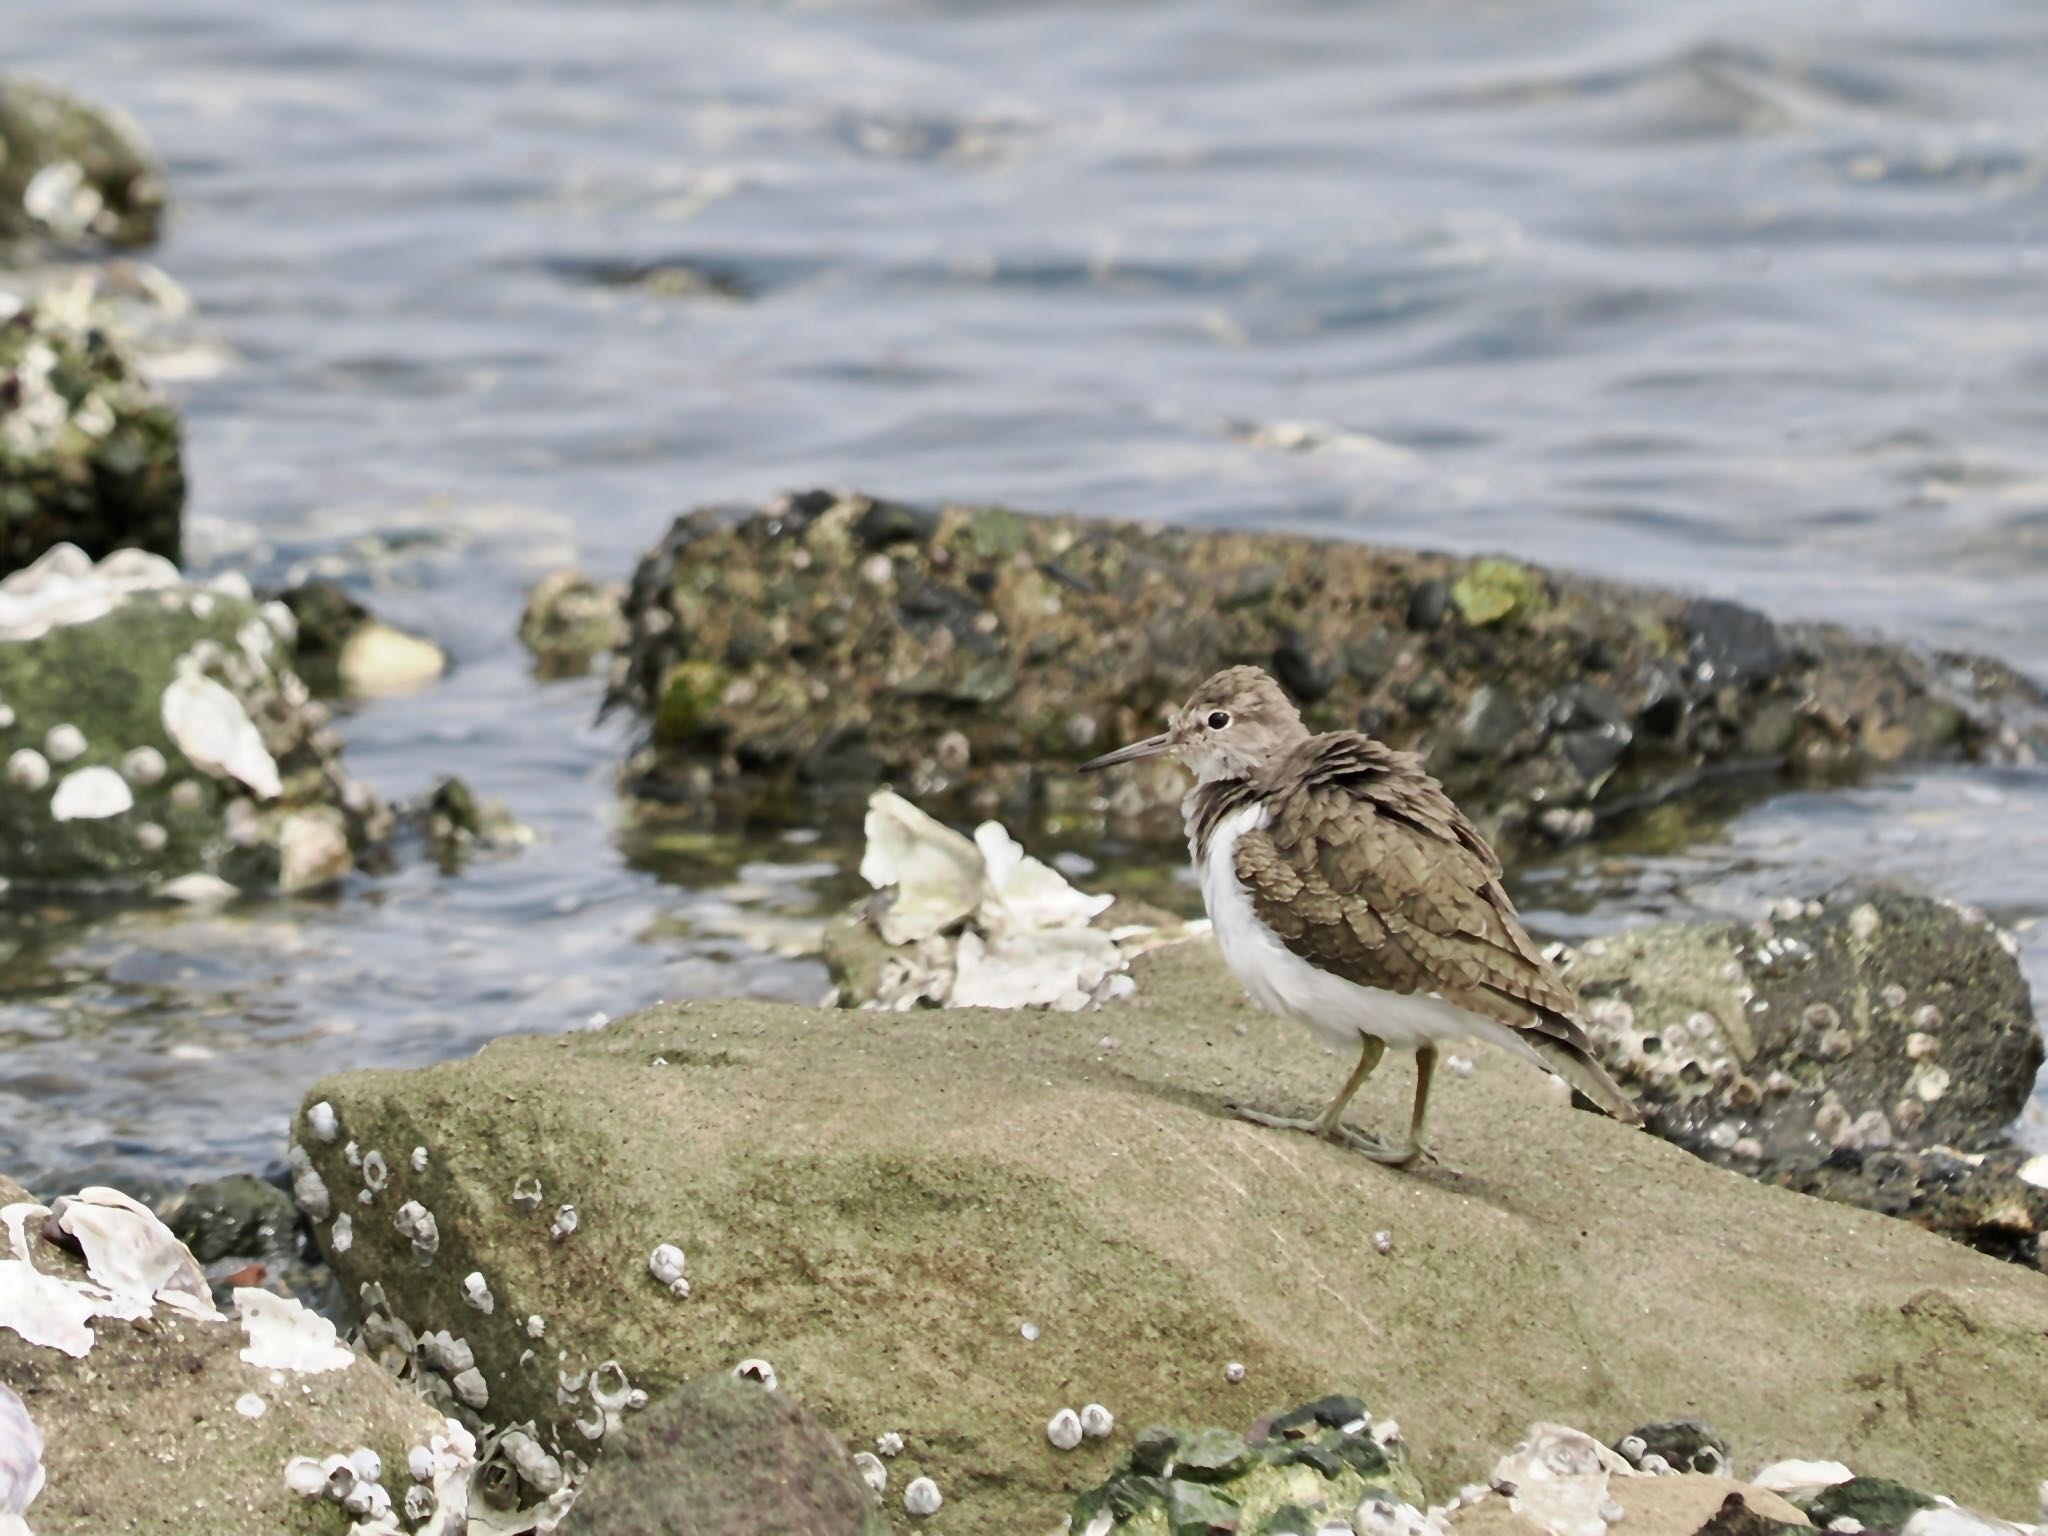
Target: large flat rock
{"x":879,"y":1204}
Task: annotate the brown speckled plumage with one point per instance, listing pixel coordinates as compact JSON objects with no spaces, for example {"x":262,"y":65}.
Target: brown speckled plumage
{"x":1368,"y":870}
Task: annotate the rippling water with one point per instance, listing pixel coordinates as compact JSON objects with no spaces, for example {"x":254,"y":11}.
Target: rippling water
{"x":1742,"y":298}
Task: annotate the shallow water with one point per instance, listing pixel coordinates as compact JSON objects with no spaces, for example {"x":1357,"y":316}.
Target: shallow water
{"x":1742,"y":298}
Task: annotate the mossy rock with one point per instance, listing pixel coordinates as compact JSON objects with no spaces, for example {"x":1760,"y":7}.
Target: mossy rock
{"x":878,"y":1204}
{"x":74,"y":172}
{"x":88,"y":659}
{"x":1838,"y":1045}
{"x":90,"y":453}
{"x":760,"y":641}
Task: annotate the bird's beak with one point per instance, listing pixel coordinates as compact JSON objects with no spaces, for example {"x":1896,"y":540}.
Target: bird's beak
{"x":1151,"y":746}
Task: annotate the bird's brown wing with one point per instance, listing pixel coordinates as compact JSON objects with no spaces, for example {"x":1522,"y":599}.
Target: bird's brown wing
{"x":1366,"y":869}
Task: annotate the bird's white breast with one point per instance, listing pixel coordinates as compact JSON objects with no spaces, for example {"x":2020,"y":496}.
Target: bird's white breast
{"x":1280,"y":981}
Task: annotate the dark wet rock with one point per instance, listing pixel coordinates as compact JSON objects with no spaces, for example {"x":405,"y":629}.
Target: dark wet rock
{"x":73,"y":172}
{"x":1737,"y":1517}
{"x":570,"y":621}
{"x":345,"y":649}
{"x":89,"y":452}
{"x":1871,"y":1046}
{"x":459,"y":824}
{"x":724,"y":1457}
{"x":1874,"y":1503}
{"x":1302,"y":1466}
{"x":239,"y":1216}
{"x":1728,"y":643}
{"x":1686,"y":1445}
{"x":878,"y":1210}
{"x":155,"y":736}
{"x":759,"y":636}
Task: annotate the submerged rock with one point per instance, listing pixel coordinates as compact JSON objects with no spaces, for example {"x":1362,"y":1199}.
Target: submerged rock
{"x":74,"y":172}
{"x":825,"y":642}
{"x":570,"y":621}
{"x":238,"y":1216}
{"x":204,"y":765}
{"x":343,"y":648}
{"x":724,"y":1457}
{"x":1870,"y":1046}
{"x":90,"y":454}
{"x":880,"y":1203}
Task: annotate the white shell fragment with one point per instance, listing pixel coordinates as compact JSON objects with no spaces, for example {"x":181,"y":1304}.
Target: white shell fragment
{"x":1803,"y":1479}
{"x":526,"y":1193}
{"x":922,"y":1497}
{"x":470,"y":1388}
{"x":212,"y":729}
{"x":419,"y":1461}
{"x":756,"y":1370}
{"x":21,"y":1456}
{"x":308,"y":1188}
{"x":416,"y":1222}
{"x":133,"y":1254}
{"x":28,"y":769}
{"x":477,"y":1292}
{"x":564,"y":1224}
{"x":143,"y":767}
{"x":419,"y":1159}
{"x":872,"y":1472}
{"x":1234,"y":1372}
{"x":1557,"y":1477}
{"x":980,"y":923}
{"x":1097,"y":1422}
{"x":91,"y":794}
{"x":342,"y":1235}
{"x":368,"y":1465}
{"x":666,"y":1264}
{"x":250,"y":1405}
{"x":1020,"y":893}
{"x":64,"y":743}
{"x":324,"y":1122}
{"x":889,"y":1443}
{"x":285,"y":1336}
{"x":1064,"y":1430}
{"x":305,"y":1477}
{"x":935,"y":872}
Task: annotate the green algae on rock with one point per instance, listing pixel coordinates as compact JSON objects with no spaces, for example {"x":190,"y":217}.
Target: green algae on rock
{"x":1871,"y":1046}
{"x":90,"y":454}
{"x":75,"y":172}
{"x":155,"y":736}
{"x":570,"y":621}
{"x":1299,"y":1472}
{"x":825,"y":642}
{"x":880,"y":1204}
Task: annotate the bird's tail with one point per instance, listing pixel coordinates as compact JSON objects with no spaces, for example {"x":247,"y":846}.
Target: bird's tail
{"x":1577,"y":1067}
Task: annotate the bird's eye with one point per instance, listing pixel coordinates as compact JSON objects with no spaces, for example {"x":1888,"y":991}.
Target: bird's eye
{"x":1218,"y":719}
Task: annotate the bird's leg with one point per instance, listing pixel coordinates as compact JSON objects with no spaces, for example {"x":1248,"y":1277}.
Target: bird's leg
{"x":1329,"y":1125}
{"x":1425,"y":1069}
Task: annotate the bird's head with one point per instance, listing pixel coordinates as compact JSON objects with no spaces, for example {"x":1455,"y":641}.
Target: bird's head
{"x":1236,"y":723}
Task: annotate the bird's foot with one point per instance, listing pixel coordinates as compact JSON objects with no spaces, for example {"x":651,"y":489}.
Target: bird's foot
{"x":1339,"y":1134}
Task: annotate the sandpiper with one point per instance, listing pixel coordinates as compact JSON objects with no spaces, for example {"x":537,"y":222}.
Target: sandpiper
{"x":1350,"y":893}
